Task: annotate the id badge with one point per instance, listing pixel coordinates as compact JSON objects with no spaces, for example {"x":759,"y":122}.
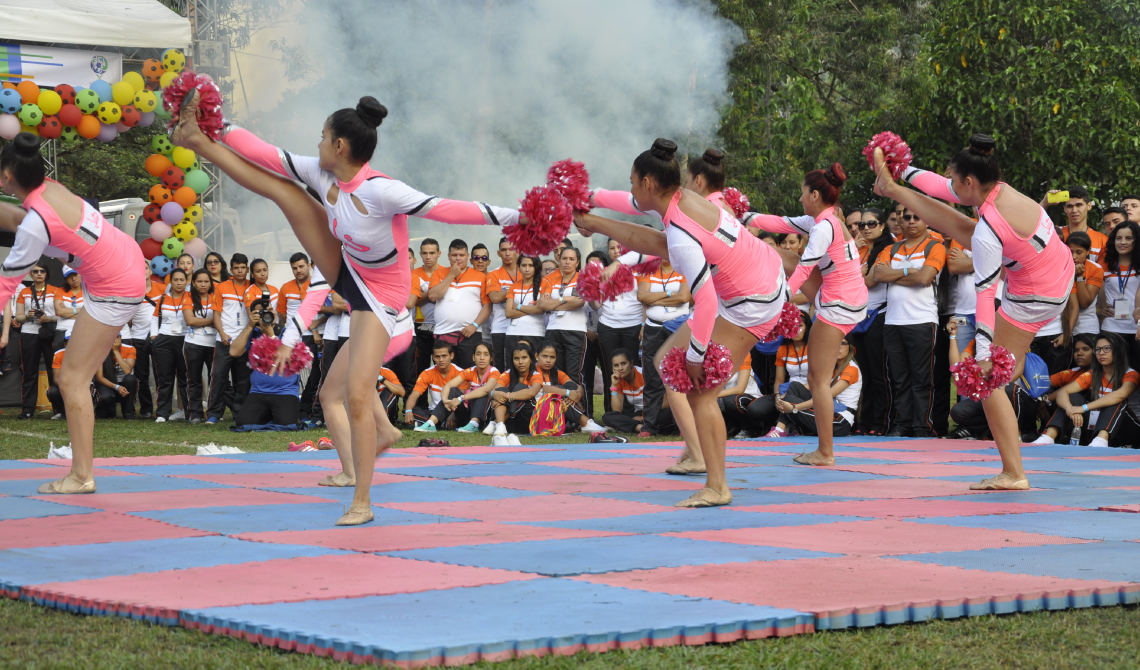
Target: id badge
{"x":670,"y":310}
{"x":175,"y":328}
{"x":454,"y":297}
{"x":1120,"y":309}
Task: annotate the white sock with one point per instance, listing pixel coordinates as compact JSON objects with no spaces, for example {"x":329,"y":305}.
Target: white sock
{"x":476,"y":422}
{"x":500,"y":429}
{"x":1098,"y":442}
{"x":1044,"y":439}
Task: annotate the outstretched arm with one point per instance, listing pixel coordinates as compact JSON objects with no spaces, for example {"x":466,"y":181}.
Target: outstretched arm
{"x":641,"y":239}
{"x":31,"y":240}
{"x":619,"y":201}
{"x":11,"y":216}
{"x":940,"y":216}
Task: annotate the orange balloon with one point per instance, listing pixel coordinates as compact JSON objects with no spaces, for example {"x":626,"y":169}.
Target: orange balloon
{"x":159,"y":194}
{"x":156,"y":164}
{"x":29,"y":92}
{"x":185,"y":196}
{"x":10,"y":85}
{"x":88,"y":127}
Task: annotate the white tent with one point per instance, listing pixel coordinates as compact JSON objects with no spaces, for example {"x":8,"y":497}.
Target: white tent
{"x":116,"y":23}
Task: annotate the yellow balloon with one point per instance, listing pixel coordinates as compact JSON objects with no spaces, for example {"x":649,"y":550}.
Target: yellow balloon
{"x":145,"y":101}
{"x":122,"y":93}
{"x":135,"y":80}
{"x":166,"y":78}
{"x":35,"y":130}
{"x":49,"y":102}
{"x":194,"y":214}
{"x":183,"y":157}
{"x":185,"y":231}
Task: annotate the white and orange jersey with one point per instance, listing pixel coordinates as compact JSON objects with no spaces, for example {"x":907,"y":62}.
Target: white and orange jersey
{"x":752,"y":388}
{"x":499,"y":279}
{"x":255,"y":292}
{"x":793,"y":357}
{"x":634,"y":392}
{"x":664,"y":282}
{"x":289,"y":301}
{"x":32,"y":298}
{"x":72,"y":300}
{"x":432,"y":381}
{"x":533,"y":325}
{"x":229,"y":302}
{"x":461,"y":302}
{"x":422,"y":280}
{"x":558,"y":288}
{"x":168,"y":318}
{"x":909,"y":305}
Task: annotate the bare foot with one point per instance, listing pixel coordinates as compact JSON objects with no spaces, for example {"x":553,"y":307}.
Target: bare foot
{"x":706,"y":497}
{"x":385,"y":442}
{"x":814,"y":458}
{"x":186,"y":132}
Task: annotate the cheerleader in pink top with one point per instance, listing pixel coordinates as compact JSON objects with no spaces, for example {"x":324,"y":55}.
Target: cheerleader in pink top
{"x":353,"y":221}
{"x":1012,"y":231}
{"x":736,"y":280}
{"x":58,"y":223}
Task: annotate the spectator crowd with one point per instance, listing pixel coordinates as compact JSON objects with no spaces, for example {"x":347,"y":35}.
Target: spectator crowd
{"x":493,"y":347}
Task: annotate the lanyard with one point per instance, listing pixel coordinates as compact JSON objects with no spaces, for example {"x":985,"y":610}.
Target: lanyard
{"x":562,"y":286}
{"x":907,"y":253}
{"x":665,"y":280}
{"x":1122,"y":278}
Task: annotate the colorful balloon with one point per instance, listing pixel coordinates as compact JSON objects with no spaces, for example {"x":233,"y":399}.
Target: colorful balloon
{"x":152,"y":68}
{"x":173,"y":60}
{"x":10,"y":101}
{"x":109,"y":113}
{"x":183,"y":157}
{"x":145,"y":101}
{"x":173,"y":178}
{"x":162,"y":265}
{"x":107,"y":133}
{"x":197,"y":248}
{"x":28,"y":91}
{"x":186,"y":232}
{"x":146,"y":119}
{"x":89,"y":127}
{"x":153,"y":214}
{"x":160,"y":195}
{"x":66,"y":93}
{"x":161,"y":145}
{"x":165,"y":79}
{"x":186,"y":197}
{"x":69,"y":134}
{"x":30,"y":114}
{"x":156,"y":165}
{"x":135,"y":81}
{"x":50,"y":127}
{"x":194,"y":214}
{"x":172,"y":247}
{"x":150,"y":248}
{"x":172,"y":214}
{"x":122,"y":93}
{"x":198,"y":180}
{"x":103,"y":90}
{"x":87,"y":101}
{"x":70,"y":116}
{"x":160,"y":231}
{"x":9,"y":126}
{"x":35,"y":130}
{"x":131,"y":116}
{"x":50,"y":103}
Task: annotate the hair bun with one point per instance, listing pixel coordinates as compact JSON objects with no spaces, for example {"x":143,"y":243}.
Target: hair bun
{"x":713,"y":156}
{"x":835,"y":175}
{"x":27,"y":145}
{"x":664,"y":149}
{"x":371,"y":111}
{"x":982,"y":145}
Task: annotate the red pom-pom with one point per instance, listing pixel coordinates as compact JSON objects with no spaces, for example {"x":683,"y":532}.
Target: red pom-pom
{"x":209,"y":104}
{"x":1003,"y":366}
{"x":548,"y":221}
{"x":572,"y":181}
{"x":894,"y":149}
{"x":737,"y":201}
{"x":592,"y":287}
{"x":648,"y":266}
{"x":788,"y":325}
{"x":973,"y":383}
{"x":718,"y":368}
{"x":263,"y":351}
{"x":299,"y":360}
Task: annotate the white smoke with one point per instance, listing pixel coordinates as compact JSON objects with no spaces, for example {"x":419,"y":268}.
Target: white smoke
{"x":484,"y":95}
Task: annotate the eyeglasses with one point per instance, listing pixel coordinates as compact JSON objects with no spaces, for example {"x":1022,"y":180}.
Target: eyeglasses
{"x":480,"y":258}
{"x":1104,"y":350}
{"x":38,"y":272}
{"x":910,"y":217}
{"x":213,"y":262}
{"x":867,"y":224}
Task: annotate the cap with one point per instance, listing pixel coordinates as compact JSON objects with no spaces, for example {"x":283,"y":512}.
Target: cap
{"x":68,"y":271}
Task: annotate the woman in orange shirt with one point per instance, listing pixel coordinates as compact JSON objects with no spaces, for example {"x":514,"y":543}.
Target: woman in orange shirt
{"x":513,"y":400}
{"x":35,"y":312}
{"x":468,"y":396}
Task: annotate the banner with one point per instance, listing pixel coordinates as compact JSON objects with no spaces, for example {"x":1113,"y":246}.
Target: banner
{"x":49,"y":67}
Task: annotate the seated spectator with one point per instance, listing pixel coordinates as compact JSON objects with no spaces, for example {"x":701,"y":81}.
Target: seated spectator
{"x":968,"y":413}
{"x":513,"y":400}
{"x":391,"y":390}
{"x":738,"y":393}
{"x":423,"y":408}
{"x":559,"y":383}
{"x":791,"y":367}
{"x":272,"y":399}
{"x":114,"y":382}
{"x":467,"y":398}
{"x":627,"y":395}
{"x":796,"y":407}
{"x":1114,"y":424}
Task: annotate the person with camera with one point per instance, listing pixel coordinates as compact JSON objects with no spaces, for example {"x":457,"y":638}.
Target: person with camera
{"x":114,"y":382}
{"x":272,"y":398}
{"x":35,"y":312}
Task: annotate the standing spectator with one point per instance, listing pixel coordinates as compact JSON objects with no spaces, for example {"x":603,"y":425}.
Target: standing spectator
{"x":229,"y":376}
{"x":288,"y":302}
{"x":5,"y":334}
{"x":185,"y":263}
{"x":480,"y":257}
{"x":140,"y":340}
{"x":1131,"y":206}
{"x":566,"y":329}
{"x":461,"y":306}
{"x":35,"y":312}
{"x":1087,"y":285}
{"x":335,"y":312}
{"x":429,"y":389}
{"x":909,"y":268}
{"x":1117,"y":302}
{"x":198,"y":312}
{"x":271,"y":398}
{"x":404,"y":365}
{"x":260,"y":286}
{"x":499,"y":282}
{"x":666,"y":297}
{"x":168,"y":338}
{"x":68,"y":302}
{"x":1077,"y":213}
{"x":960,"y":261}
{"x":114,"y":382}
{"x":945,"y":292}
{"x":870,"y":347}
{"x":619,"y":327}
{"x":217,"y":267}
{"x":423,"y":278}
{"x":1110,"y":219}
{"x":527,"y":319}
{"x":593,"y":348}
{"x":895,"y":221}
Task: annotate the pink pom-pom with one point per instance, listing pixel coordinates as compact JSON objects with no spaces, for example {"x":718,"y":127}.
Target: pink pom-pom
{"x":737,"y":201}
{"x":549,"y":216}
{"x":209,"y":103}
{"x":299,"y":360}
{"x":570,"y":178}
{"x":718,"y":368}
{"x":1003,"y":366}
{"x":592,"y":287}
{"x":895,"y":150}
{"x":648,"y":266}
{"x":973,"y":383}
{"x":788,"y":325}
{"x":263,"y":352}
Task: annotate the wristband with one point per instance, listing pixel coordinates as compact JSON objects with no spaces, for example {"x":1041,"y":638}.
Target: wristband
{"x":616,"y":389}
{"x":614,"y":393}
{"x":906,"y":271}
{"x":1085,"y":407}
{"x":953,"y":337}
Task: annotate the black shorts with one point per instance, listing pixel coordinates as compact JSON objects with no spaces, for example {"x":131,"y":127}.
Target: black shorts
{"x":347,"y":288}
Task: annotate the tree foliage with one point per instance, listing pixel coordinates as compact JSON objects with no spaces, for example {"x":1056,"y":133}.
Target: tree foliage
{"x":108,"y":171}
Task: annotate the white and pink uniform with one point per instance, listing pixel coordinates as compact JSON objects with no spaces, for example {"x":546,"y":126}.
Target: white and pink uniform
{"x":374,"y":244}
{"x":110,"y":262}
{"x":842,"y":298}
{"x":1039,"y":269}
{"x":747,"y":274}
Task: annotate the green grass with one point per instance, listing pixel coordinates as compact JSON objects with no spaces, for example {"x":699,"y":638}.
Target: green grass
{"x":36,"y":637}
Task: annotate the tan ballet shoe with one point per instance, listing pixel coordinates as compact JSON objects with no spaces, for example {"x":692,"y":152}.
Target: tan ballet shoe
{"x":356,"y":515}
{"x":713,"y":499}
{"x":339,"y":479}
{"x":1001,"y":482}
{"x":686,"y":467}
{"x":67,"y":485}
{"x":813,"y":458}
{"x":186,"y":132}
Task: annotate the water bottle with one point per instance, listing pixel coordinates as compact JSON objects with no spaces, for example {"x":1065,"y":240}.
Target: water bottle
{"x":1075,"y":438}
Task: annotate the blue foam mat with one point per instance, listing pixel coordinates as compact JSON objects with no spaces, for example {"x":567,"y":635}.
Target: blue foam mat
{"x":1111,"y":561}
{"x":1068,"y":451}
{"x":235,"y":520}
{"x":1090,"y":498}
{"x":784,"y":460}
{"x":691,"y":520}
{"x":495,"y":619}
{"x":22,"y":508}
{"x":595,"y":555}
{"x":1083,"y":525}
{"x":22,"y":465}
{"x":120,"y":484}
{"x":536,"y":456}
{"x":740,"y":497}
{"x":487,"y":470}
{"x":25,"y":567}
{"x":272,"y":456}
{"x":221,"y":469}
{"x":1072,"y":465}
{"x":790,"y":475}
{"x":1061,"y":481}
{"x":432,"y":490}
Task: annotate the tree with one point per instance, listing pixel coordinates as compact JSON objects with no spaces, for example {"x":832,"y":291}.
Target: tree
{"x":108,"y":171}
{"x":1056,"y":83}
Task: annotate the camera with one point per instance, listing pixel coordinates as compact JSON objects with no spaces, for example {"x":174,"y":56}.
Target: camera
{"x":262,"y":307}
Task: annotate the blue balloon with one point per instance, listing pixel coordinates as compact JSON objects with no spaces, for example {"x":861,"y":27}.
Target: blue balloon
{"x":103,"y":90}
{"x":10,"y":102}
{"x":161,"y":265}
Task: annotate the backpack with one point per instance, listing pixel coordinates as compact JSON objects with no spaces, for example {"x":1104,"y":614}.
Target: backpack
{"x":1035,"y":379}
{"x":548,"y":419}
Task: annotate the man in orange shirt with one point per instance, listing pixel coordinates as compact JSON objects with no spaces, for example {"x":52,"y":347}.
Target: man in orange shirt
{"x":461,"y":307}
{"x":499,"y":282}
{"x":229,"y":377}
{"x":429,"y":389}
{"x":423,"y":278}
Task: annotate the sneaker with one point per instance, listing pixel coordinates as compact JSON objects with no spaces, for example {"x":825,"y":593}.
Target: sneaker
{"x":325,"y":443}
{"x":644,"y":433}
{"x":606,"y":438}
{"x":178,"y":416}
{"x":777,"y":432}
{"x":433,"y":442}
{"x":1098,"y":442}
{"x":592,"y":427}
{"x":194,"y":421}
{"x":57,"y":417}
{"x":961,"y":433}
{"x":55,"y":452}
{"x":146,"y":415}
{"x":160,"y":420}
{"x":425,"y":427}
{"x":500,"y":429}
{"x":513,"y":440}
{"x":471,"y":427}
{"x":24,"y":415}
{"x":1043,"y":439}
{"x":307,"y":445}
{"x":212,"y":421}
{"x":490,"y":429}
{"x":499,"y":440}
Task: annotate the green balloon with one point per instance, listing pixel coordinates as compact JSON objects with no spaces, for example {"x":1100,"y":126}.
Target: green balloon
{"x":87,"y":101}
{"x":161,"y":114}
{"x":30,"y":115}
{"x":69,"y":134}
{"x":161,"y":145}
{"x":198,"y":180}
{"x":172,"y":247}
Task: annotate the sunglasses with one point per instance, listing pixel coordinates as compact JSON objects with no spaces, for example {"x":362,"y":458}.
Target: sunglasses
{"x":910,"y":217}
{"x":38,"y":272}
{"x":480,"y":258}
{"x":867,"y":224}
{"x":213,"y":262}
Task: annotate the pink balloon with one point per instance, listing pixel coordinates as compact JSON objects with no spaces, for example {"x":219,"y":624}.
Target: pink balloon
{"x":196,"y":248}
{"x":147,"y":119}
{"x":159,"y":231}
{"x":9,"y":126}
{"x":121,"y":127}
{"x":172,"y":213}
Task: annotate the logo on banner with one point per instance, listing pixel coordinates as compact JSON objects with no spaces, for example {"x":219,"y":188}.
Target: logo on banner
{"x":99,"y":66}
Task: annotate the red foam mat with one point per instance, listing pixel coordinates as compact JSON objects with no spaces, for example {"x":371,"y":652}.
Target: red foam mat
{"x":400,"y":538}
{"x":1130,"y":472}
{"x":424,"y":462}
{"x":915,"y":456}
{"x":59,"y":531}
{"x":589,"y":483}
{"x":884,"y":488}
{"x":1120,"y":508}
{"x":880,"y":537}
{"x":291,"y":480}
{"x":50,"y":473}
{"x":184,"y":499}
{"x":920,"y":470}
{"x":164,"y":594}
{"x":134,"y":461}
{"x":555,"y":507}
{"x":906,"y":507}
